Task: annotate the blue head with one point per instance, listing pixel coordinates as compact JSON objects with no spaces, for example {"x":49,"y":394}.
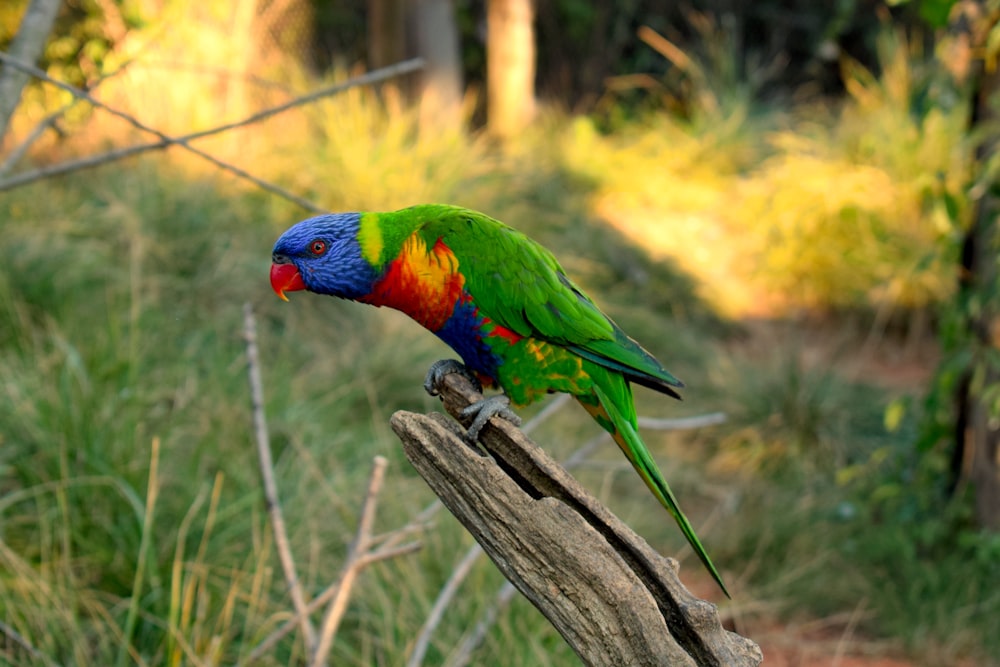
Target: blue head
{"x":322,"y":255}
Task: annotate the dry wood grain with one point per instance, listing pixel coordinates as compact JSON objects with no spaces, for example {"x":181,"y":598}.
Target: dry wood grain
{"x":613,"y":598}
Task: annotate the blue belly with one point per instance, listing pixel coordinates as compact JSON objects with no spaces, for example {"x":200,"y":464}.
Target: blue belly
{"x":463,"y":333}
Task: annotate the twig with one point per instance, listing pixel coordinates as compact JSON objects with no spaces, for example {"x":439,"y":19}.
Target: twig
{"x":16,"y":637}
{"x":448,"y":592}
{"x":362,"y":540}
{"x":387,"y":549}
{"x":554,"y":406}
{"x":386,"y":554}
{"x":682,"y":423}
{"x":19,"y":151}
{"x":165,"y":140}
{"x":381,"y":554}
{"x":134,"y":122}
{"x":503,"y":598}
{"x":267,"y":474}
{"x":28,"y":44}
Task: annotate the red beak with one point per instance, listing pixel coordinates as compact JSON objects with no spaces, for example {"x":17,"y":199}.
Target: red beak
{"x":285,"y":278}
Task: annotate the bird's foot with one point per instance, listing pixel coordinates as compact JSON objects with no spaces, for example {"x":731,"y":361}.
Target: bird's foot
{"x":437,"y":371}
{"x":481,"y":411}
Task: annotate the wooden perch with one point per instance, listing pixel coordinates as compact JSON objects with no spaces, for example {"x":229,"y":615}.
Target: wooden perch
{"x":613,"y":598}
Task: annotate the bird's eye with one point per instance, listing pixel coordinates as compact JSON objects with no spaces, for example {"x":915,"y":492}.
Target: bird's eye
{"x":317,"y":247}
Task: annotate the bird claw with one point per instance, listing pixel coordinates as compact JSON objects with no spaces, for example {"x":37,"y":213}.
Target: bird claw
{"x":481,"y":411}
{"x":437,"y":371}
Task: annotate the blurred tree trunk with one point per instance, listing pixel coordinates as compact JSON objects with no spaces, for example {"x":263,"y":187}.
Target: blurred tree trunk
{"x":28,"y":46}
{"x":386,"y":32}
{"x":440,"y":89}
{"x":980,"y":256}
{"x":244,"y":43}
{"x":387,"y":43}
{"x":283,"y":28}
{"x":510,"y":66}
{"x":978,"y":424}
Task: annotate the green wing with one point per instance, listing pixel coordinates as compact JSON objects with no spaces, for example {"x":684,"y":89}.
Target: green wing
{"x":519,"y":284}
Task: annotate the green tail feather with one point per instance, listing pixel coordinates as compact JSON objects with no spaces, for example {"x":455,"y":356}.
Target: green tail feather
{"x":623,"y":430}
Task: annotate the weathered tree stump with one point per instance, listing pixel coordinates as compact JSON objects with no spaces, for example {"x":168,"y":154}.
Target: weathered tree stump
{"x":613,"y":598}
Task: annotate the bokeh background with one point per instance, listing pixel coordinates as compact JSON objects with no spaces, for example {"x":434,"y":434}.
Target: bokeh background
{"x":791,"y":203}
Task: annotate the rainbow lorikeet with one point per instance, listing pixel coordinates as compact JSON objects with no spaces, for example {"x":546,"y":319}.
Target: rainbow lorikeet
{"x":501,"y":301}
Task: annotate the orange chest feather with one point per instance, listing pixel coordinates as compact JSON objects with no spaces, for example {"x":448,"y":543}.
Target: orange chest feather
{"x":422,"y":282}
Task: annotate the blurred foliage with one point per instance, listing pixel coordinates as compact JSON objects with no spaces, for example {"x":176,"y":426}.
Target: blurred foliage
{"x":862,"y":208}
{"x":968,"y":376}
{"x":843,"y":513}
{"x":804,"y":39}
{"x":85,"y":33}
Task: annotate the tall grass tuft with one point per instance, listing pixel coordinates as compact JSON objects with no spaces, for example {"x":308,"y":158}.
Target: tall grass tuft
{"x":853,"y":209}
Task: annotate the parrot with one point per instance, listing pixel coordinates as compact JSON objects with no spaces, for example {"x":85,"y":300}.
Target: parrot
{"x":502,"y":302}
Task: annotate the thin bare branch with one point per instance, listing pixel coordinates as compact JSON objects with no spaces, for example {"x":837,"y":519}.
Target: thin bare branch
{"x":666,"y":48}
{"x":682,"y":423}
{"x":90,"y":162}
{"x":463,"y":655}
{"x":183,"y":141}
{"x":385,"y":554}
{"x":268,"y":642}
{"x":28,"y":45}
{"x":389,"y":540}
{"x":18,"y":151}
{"x":447,"y":594}
{"x":14,"y":636}
{"x":21,"y":149}
{"x":386,"y":551}
{"x":166,"y":139}
{"x":267,"y":475}
{"x":362,"y":540}
{"x":553,"y":406}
